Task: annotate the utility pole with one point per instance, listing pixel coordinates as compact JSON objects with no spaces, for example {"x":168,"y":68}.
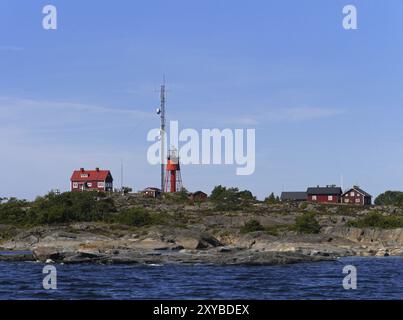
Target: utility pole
{"x":161,"y":112}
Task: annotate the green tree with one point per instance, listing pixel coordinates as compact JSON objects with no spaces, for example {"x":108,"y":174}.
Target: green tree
{"x":126,"y":190}
{"x":272,"y":199}
{"x":53,"y":208}
{"x":183,"y":194}
{"x":231,"y":198}
{"x":252,"y":226}
{"x":377,"y":220}
{"x":221,"y":193}
{"x":13,"y":211}
{"x":246,"y":195}
{"x":178,"y":197}
{"x":390,"y":198}
{"x":307,"y":223}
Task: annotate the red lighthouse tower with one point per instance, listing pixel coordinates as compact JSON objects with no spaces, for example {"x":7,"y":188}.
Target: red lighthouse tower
{"x":173,"y":179}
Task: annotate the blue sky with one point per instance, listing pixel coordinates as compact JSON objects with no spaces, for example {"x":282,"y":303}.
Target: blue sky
{"x":324,"y":101}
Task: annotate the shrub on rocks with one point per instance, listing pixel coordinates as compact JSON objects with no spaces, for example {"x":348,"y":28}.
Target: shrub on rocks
{"x":377,"y":220}
{"x":252,"y":226}
{"x":231,"y":198}
{"x":307,"y":223}
{"x":54,"y":209}
{"x":134,"y":217}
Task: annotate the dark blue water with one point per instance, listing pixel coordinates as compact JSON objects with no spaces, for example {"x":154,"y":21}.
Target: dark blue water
{"x":378,"y":278}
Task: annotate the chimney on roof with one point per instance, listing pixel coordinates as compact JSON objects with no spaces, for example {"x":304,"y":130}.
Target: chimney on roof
{"x":82,"y":169}
{"x":97,"y":169}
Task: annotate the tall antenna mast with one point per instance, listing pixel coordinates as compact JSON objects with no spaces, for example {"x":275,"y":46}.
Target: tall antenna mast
{"x":162,"y":115}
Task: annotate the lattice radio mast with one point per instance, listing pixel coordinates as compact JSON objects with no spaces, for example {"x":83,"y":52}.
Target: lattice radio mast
{"x":161,"y":113}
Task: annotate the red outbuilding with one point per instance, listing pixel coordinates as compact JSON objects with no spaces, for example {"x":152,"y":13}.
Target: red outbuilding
{"x":198,"y":196}
{"x":151,"y":192}
{"x":91,"y":180}
{"x":328,"y":194}
{"x":357,"y":196}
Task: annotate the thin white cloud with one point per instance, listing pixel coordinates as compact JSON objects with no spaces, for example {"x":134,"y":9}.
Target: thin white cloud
{"x":40,"y":121}
{"x":294,"y":114}
{"x":14,"y":103}
{"x":303,"y":113}
{"x":242,"y":120}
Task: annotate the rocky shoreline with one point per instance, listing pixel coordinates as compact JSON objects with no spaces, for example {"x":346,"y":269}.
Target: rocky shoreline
{"x":206,"y":238}
{"x":184,"y":257}
{"x":53,"y":245}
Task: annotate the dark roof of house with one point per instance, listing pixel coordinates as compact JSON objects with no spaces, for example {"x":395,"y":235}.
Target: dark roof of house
{"x":358,"y":189}
{"x":199,"y":193}
{"x":324,"y":191}
{"x":293,"y":195}
{"x":151,"y":189}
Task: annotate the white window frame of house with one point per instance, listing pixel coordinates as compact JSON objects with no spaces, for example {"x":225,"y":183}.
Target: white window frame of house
{"x":101,"y":184}
{"x":84,"y":175}
{"x":352,"y":194}
{"x":75,"y":185}
{"x":358,"y":200}
{"x":346,"y":200}
{"x":329,"y":198}
{"x":314,"y":198}
{"x":89,"y":184}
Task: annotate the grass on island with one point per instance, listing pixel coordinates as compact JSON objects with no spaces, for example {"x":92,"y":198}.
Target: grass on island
{"x":305,"y":224}
{"x":377,"y":220}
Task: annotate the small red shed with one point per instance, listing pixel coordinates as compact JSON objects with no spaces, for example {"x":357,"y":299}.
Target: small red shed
{"x":198,"y":196}
{"x":91,"y":180}
{"x":151,"y":192}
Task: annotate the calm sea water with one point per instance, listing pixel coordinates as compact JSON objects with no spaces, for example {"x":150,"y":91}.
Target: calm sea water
{"x":378,"y":278}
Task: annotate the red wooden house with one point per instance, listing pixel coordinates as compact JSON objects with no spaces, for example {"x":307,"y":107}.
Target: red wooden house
{"x":328,"y":194}
{"x":91,"y":180}
{"x":198,"y":196}
{"x":356,"y":195}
